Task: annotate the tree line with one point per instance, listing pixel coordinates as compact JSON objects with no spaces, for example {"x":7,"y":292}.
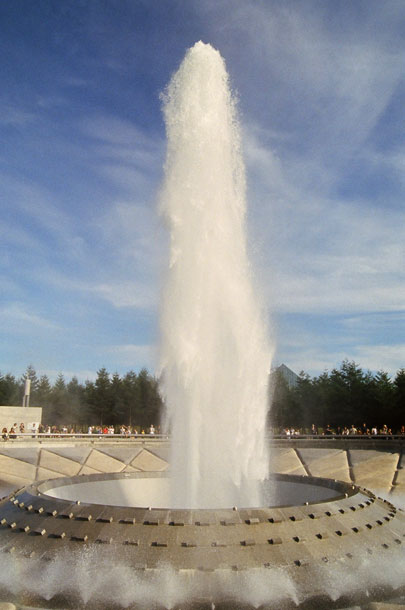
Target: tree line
{"x":132,"y":399}
{"x":344,"y":396}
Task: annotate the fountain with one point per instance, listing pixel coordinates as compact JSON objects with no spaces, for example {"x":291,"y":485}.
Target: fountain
{"x":214,"y":356}
{"x":219,"y":532}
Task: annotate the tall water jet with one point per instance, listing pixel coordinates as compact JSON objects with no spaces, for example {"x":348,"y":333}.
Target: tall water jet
{"x":214,"y":353}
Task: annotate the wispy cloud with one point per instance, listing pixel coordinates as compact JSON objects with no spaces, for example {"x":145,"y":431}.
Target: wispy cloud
{"x":14,"y":116}
{"x":323,"y":253}
{"x":126,"y":294}
{"x":135,"y":356}
{"x":19,"y":317}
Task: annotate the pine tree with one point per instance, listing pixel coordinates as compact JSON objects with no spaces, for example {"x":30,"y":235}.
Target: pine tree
{"x":9,"y":391}
{"x":44,"y":397}
{"x":59,"y":413}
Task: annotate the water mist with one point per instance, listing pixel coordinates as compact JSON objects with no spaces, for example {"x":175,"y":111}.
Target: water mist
{"x":214,"y":354}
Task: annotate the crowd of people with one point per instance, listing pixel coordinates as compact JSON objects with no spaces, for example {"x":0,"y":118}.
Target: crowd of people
{"x":362,"y":430}
{"x":34,"y":429}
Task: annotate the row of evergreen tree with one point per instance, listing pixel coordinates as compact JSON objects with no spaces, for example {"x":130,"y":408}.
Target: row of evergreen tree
{"x":110,"y":400}
{"x":345,"y":396}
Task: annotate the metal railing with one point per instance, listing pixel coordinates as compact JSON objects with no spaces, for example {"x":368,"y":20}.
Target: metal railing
{"x":80,"y":435}
{"x":159,"y":437}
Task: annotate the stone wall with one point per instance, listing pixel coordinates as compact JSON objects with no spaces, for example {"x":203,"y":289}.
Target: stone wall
{"x":11,"y":415}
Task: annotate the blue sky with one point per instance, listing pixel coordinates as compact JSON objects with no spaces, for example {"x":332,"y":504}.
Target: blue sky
{"x":321,"y":99}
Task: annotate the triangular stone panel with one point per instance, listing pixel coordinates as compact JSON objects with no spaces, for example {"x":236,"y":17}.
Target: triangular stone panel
{"x":160,"y":449}
{"x":127,"y":469}
{"x":17,"y":468}
{"x":147,"y":461}
{"x":357,"y":456}
{"x":28,"y":454}
{"x":87,"y":470}
{"x":9,"y":483}
{"x":333,"y":465}
{"x":286,"y":461}
{"x":376,"y":472}
{"x":62,"y":465}
{"x":102,"y":462}
{"x":43,"y":474}
{"x":123,"y":454}
{"x":77,"y":454}
{"x":309,"y":455}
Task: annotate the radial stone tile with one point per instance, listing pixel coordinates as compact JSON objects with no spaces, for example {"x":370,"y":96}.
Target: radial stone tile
{"x":9,"y":483}
{"x":122,"y":454}
{"x":102,"y":462}
{"x":332,"y":464}
{"x":43,"y":474}
{"x":21,"y":469}
{"x":377,"y":472}
{"x":147,"y":461}
{"x":87,"y":470}
{"x":78,"y":454}
{"x":357,"y":456}
{"x":286,"y":461}
{"x":57,"y":463}
{"x":27,"y":454}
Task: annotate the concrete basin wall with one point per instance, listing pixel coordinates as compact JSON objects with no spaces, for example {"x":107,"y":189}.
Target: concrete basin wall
{"x":377,"y":465}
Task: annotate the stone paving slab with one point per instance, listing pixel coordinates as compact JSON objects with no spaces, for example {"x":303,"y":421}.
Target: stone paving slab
{"x":130,"y":468}
{"x":103,"y":462}
{"x":146,"y":460}
{"x":29,"y":454}
{"x":378,"y":485}
{"x":160,"y":449}
{"x":310,"y":454}
{"x":77,"y":454}
{"x":287,"y":461}
{"x":357,"y":456}
{"x":43,"y":474}
{"x":60,"y":464}
{"x":376,"y":468}
{"x":87,"y":470}
{"x":17,"y":468}
{"x":9,"y":483}
{"x":334,"y":465}
{"x":123,"y":454}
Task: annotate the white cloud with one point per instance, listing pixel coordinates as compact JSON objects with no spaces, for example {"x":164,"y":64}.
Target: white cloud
{"x":125,"y":294}
{"x":82,"y":375}
{"x":385,"y":357}
{"x":19,"y":317}
{"x":315,"y":358}
{"x":320,"y":253}
{"x":134,"y":356}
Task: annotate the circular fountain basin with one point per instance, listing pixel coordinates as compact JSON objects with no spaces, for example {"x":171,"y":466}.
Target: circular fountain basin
{"x":323,"y":538}
{"x":153,"y":489}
